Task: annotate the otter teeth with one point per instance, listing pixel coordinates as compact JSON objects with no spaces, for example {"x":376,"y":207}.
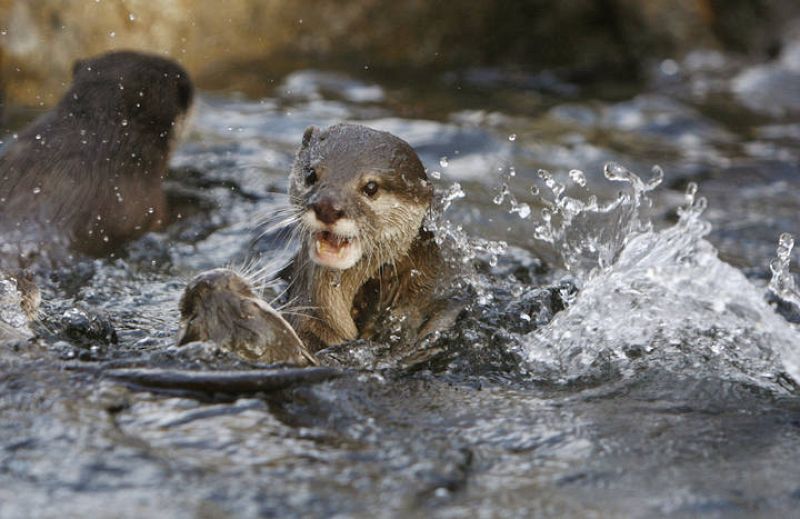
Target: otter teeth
{"x":335,"y":251}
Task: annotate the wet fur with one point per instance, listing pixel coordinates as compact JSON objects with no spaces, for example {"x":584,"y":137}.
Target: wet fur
{"x":87,"y":175}
{"x":401,"y":264}
{"x":220,"y":306}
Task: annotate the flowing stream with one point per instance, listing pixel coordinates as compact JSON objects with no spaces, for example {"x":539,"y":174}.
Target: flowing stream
{"x":631,"y":349}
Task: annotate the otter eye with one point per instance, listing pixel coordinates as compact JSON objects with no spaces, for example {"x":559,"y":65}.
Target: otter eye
{"x":370,"y":189}
{"x":311,"y":176}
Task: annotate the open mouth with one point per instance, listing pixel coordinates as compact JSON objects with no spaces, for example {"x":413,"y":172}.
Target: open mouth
{"x":335,"y":251}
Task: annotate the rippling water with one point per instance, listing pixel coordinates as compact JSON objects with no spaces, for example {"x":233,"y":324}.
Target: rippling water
{"x":624,"y":354}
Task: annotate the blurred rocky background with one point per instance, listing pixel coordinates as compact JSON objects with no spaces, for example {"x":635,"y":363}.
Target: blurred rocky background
{"x":244,"y":45}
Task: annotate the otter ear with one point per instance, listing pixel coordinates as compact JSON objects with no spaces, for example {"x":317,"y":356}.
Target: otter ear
{"x":77,"y":66}
{"x":311,"y":133}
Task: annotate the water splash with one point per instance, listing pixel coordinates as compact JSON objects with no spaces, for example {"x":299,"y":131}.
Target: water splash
{"x":459,"y":249}
{"x":13,"y":322}
{"x":585,"y":233}
{"x":782,"y":284}
{"x":656,"y":299}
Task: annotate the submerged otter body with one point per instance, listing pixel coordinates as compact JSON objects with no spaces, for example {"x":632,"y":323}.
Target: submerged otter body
{"x":87,"y":176}
{"x":365,"y":262}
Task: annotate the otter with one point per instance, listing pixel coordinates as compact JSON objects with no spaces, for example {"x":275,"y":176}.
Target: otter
{"x":220,"y":306}
{"x":366,"y":267}
{"x":87,"y":176}
{"x":365,"y":262}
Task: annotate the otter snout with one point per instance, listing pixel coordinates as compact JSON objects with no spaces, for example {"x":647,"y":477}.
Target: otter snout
{"x":334,"y":237}
{"x":327,"y":211}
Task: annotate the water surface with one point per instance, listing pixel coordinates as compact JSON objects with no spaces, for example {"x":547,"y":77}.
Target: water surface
{"x":620,"y":357}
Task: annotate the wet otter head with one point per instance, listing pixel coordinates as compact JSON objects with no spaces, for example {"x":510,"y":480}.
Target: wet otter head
{"x":361,"y":195}
{"x":220,"y":306}
{"x":131,"y":88}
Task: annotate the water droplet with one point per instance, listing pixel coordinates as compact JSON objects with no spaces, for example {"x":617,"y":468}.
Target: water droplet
{"x":534,"y":190}
{"x":132,"y":17}
{"x":614,"y":171}
{"x":578,"y":177}
{"x":512,"y":137}
{"x":436,"y":175}
{"x":336,"y":279}
{"x":37,"y":190}
{"x":38,"y":137}
{"x":657,"y":178}
{"x":112,"y":34}
{"x":453,"y":193}
{"x":501,"y":196}
{"x":669,"y":67}
{"x":785,"y":245}
{"x":150,"y":210}
{"x":124,"y":122}
{"x":524,"y":210}
{"x":444,"y":162}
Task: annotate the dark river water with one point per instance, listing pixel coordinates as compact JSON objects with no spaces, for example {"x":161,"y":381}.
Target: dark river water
{"x":622,"y":355}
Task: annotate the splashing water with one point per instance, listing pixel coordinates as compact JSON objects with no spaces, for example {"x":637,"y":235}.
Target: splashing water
{"x":655,"y":299}
{"x":782,"y":283}
{"x":587,"y":234}
{"x":459,"y":248}
{"x":13,"y":322}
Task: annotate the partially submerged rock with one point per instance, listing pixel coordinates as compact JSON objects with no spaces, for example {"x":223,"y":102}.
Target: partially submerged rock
{"x":225,"y":382}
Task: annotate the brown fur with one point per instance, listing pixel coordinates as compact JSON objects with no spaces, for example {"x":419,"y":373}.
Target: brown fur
{"x":87,"y":176}
{"x":401,"y":264}
{"x":219,"y":306}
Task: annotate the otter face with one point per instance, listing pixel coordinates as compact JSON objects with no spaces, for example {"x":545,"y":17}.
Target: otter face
{"x":360,"y":194}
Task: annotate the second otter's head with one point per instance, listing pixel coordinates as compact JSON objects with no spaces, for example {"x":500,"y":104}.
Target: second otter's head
{"x":125,"y":88}
{"x":361,"y":194}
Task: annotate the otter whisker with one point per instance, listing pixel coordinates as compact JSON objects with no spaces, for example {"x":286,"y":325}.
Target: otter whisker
{"x":304,"y":315}
{"x":279,"y":225}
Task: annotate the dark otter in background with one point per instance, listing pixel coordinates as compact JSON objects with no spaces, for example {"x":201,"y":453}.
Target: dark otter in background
{"x":220,"y":306}
{"x":365,"y":261}
{"x":87,"y":176}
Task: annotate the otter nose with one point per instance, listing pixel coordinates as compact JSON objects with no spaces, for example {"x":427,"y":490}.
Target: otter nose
{"x":326,"y":211}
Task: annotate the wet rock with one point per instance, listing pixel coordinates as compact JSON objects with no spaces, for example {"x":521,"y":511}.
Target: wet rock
{"x":773,"y":88}
{"x":226,"y":382}
{"x":41,"y":38}
{"x":86,"y":327}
